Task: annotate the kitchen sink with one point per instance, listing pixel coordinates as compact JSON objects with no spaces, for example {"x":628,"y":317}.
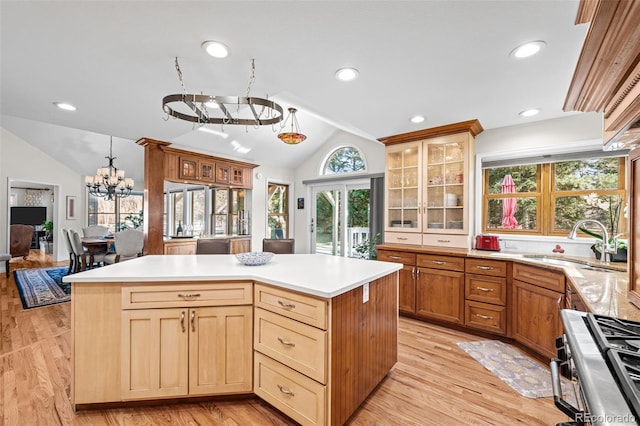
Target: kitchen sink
{"x":562,"y":262}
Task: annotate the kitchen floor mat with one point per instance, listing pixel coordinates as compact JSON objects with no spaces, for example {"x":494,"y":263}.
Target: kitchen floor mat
{"x":523,"y":374}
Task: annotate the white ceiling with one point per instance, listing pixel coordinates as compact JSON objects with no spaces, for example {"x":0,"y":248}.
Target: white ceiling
{"x":446,"y":60}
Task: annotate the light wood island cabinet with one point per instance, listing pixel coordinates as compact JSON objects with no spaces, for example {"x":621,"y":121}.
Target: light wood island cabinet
{"x":176,"y":337}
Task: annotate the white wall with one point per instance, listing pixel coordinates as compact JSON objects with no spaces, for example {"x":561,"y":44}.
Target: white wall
{"x":574,"y":133}
{"x":373,"y":151}
{"x":262,"y":176}
{"x":22,"y":162}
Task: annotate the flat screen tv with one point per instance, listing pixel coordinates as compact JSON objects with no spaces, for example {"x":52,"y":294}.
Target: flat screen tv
{"x":28,"y":215}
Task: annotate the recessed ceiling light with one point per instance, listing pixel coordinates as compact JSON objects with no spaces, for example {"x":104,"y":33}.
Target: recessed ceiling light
{"x":528,"y":49}
{"x":346,"y":74}
{"x":216,"y":49}
{"x":65,"y":106}
{"x":417,"y":119}
{"x":530,"y":112}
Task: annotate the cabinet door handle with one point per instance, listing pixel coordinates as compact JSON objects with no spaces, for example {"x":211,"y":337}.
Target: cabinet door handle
{"x":484,"y":268}
{"x":286,"y":342}
{"x":395,"y":257}
{"x":193,"y":321}
{"x":560,"y":302}
{"x":188,"y":295}
{"x":413,"y":272}
{"x":286,"y":391}
{"x":286,"y":305}
{"x":484,"y":289}
{"x":182,"y":321}
{"x":484,"y":316}
{"x":438,"y":262}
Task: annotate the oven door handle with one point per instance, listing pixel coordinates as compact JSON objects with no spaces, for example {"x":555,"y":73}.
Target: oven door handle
{"x":559,"y":402}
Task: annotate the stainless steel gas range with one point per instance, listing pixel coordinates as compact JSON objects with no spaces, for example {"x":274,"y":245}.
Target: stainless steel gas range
{"x":601,"y":355}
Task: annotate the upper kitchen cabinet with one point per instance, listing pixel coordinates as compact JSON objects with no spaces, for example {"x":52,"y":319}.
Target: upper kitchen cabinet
{"x":429,"y":177}
{"x":607,"y":76}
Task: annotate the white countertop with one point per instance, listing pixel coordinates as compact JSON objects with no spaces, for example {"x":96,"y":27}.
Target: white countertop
{"x":317,"y":274}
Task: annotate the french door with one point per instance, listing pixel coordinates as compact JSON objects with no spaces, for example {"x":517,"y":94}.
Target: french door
{"x":340,"y":218}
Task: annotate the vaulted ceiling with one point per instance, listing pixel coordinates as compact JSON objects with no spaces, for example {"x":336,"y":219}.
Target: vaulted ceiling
{"x":446,"y":60}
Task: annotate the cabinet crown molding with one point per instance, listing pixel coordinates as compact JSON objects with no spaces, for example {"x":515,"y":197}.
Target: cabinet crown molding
{"x":472,"y":126}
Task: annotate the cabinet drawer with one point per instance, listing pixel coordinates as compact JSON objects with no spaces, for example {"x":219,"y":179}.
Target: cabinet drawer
{"x":496,"y":268}
{"x":292,"y":305}
{"x":403,"y":238}
{"x":186,"y":295}
{"x":486,"y":317}
{"x":440,"y":240}
{"x":450,"y":263}
{"x":294,"y":344}
{"x":296,"y":395}
{"x":541,"y":277}
{"x":486,"y":289}
{"x":397,"y":256}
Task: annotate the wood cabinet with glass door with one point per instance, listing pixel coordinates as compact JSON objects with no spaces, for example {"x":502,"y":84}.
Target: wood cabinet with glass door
{"x":429,"y":177}
{"x":403,"y":195}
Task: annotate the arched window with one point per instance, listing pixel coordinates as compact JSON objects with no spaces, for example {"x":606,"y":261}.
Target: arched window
{"x":344,"y":160}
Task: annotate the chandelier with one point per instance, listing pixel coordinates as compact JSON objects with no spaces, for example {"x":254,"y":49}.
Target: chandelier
{"x":213,"y":109}
{"x":109,"y":182}
{"x":294,"y":136}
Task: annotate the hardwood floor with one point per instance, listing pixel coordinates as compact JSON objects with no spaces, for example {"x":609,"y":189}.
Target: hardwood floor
{"x":433,"y":383}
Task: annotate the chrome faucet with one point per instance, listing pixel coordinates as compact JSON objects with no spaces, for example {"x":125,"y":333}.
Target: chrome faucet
{"x":606,"y":247}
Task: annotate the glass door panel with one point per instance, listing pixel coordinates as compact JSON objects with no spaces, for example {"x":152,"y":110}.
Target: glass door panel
{"x":327,"y":220}
{"x":403,"y":189}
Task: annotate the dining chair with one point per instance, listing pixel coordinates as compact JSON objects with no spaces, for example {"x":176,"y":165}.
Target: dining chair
{"x":128,"y":245}
{"x":213,"y":246}
{"x":95,"y":231}
{"x":67,"y":244}
{"x":279,"y":245}
{"x":79,"y":252}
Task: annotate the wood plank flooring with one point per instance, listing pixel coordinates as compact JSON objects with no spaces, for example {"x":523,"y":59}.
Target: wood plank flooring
{"x":433,"y":383}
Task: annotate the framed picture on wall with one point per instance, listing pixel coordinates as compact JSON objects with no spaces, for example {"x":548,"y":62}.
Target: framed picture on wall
{"x":71,"y":207}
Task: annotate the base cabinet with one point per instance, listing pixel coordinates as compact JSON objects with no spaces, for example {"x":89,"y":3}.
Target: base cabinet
{"x":407,"y":278}
{"x":186,"y":352}
{"x":440,"y":288}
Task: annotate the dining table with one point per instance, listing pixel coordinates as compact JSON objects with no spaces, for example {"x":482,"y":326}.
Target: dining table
{"x":96,"y":245}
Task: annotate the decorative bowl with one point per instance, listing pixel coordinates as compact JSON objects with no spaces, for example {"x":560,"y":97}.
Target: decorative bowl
{"x":254,"y":258}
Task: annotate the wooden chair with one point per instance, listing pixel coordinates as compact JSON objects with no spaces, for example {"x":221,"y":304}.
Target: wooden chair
{"x":279,"y":245}
{"x":5,"y":258}
{"x":213,"y":246}
{"x":21,"y":236}
{"x":128,"y":244}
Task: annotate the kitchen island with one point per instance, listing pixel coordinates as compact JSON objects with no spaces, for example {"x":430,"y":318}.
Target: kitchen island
{"x":311,"y":334}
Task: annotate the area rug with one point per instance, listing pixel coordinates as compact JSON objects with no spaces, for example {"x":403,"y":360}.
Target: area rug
{"x":526,"y":376}
{"x":42,"y":286}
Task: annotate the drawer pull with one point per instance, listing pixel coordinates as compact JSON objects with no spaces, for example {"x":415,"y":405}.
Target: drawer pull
{"x":484,"y":289}
{"x":444,"y":241}
{"x":402,"y":238}
{"x":286,"y":305}
{"x":193,"y":320}
{"x":182,"y":321}
{"x":395,"y":257}
{"x":286,"y":391}
{"x":286,"y":342}
{"x":188,"y":295}
{"x":484,"y":316}
{"x":438,"y":262}
{"x":484,"y":268}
